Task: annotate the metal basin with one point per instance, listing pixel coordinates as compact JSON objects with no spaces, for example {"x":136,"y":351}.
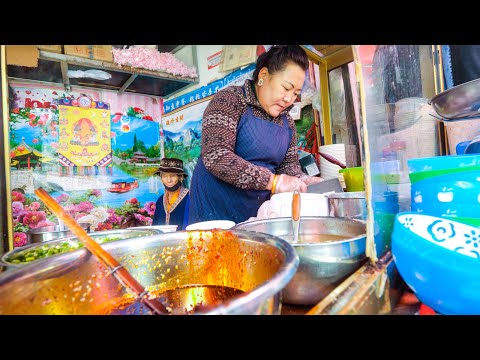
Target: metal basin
{"x":459,"y":102}
{"x":352,"y":205}
{"x":324,"y":261}
{"x":47,"y":233}
{"x":22,"y":256}
{"x":250,"y":270}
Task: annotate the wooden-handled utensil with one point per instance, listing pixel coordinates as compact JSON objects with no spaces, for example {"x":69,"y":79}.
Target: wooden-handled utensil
{"x":124,"y":277}
{"x":333,"y":160}
{"x":295,"y":215}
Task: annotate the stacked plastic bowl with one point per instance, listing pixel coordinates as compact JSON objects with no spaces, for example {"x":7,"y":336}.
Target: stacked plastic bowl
{"x":447,"y":186}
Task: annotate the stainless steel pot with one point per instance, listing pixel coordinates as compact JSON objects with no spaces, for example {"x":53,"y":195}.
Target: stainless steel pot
{"x":352,"y":205}
{"x":323,"y":264}
{"x":257,"y":265}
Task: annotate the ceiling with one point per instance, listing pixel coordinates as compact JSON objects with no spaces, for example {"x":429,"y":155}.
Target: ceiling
{"x":327,"y":50}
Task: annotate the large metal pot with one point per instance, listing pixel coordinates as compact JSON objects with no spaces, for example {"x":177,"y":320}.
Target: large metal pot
{"x":256,"y":265}
{"x":352,"y":205}
{"x":324,"y":261}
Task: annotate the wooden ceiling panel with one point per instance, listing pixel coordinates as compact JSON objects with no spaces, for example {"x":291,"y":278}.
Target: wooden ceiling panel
{"x":329,"y":49}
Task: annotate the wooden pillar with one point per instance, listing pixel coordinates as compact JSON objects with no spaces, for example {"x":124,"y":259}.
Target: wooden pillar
{"x":6,"y":216}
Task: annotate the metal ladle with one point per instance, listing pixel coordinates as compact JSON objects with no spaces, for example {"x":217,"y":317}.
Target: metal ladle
{"x":295,"y":215}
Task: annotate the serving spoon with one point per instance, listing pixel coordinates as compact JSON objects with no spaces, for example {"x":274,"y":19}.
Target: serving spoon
{"x":295,"y":215}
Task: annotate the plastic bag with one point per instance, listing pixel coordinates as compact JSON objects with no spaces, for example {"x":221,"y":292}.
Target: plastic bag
{"x":316,"y":103}
{"x":310,"y":95}
{"x":308,"y":92}
{"x":93,"y":74}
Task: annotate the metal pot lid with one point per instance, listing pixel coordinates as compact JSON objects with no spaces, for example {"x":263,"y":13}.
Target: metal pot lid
{"x":459,"y":102}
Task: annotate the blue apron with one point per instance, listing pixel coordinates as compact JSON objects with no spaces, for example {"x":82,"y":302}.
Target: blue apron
{"x":258,"y":141}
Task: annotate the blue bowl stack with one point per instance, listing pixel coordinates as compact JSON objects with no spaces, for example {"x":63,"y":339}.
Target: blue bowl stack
{"x":436,"y":246}
{"x":446,"y":186}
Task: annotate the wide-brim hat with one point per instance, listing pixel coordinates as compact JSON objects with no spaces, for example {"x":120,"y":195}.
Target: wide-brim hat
{"x":171,"y":165}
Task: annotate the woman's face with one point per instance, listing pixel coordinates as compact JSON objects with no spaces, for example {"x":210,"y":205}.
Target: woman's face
{"x":169,"y":179}
{"x":281,"y":89}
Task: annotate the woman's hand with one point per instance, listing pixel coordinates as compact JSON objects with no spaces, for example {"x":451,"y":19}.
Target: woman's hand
{"x":309,"y":180}
{"x":287,"y":183}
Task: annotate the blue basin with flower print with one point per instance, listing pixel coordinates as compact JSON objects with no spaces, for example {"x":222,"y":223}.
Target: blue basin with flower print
{"x":439,"y":259}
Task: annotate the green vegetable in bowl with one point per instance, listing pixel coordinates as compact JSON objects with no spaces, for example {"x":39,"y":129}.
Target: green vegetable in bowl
{"x":43,"y":251}
{"x":107,"y":239}
{"x":54,"y":248}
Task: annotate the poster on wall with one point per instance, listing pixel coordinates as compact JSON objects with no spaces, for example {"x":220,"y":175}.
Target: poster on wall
{"x":136,"y":157}
{"x":34,"y":132}
{"x":182,"y":131}
{"x":84,"y":136}
{"x":235,"y":56}
{"x":41,"y":96}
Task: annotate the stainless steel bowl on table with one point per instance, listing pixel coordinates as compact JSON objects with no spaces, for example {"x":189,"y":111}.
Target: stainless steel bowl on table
{"x":352,"y":205}
{"x":21,"y":256}
{"x":48,"y":233}
{"x":330,"y":249}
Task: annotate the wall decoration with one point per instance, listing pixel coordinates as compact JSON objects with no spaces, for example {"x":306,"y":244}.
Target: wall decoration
{"x":84,"y":135}
{"x":135,"y":158}
{"x":35,"y":134}
{"x":40,"y":96}
{"x":26,"y":95}
{"x":182,"y":131}
{"x":235,"y":56}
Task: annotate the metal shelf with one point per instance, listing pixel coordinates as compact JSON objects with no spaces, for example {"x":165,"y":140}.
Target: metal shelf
{"x":53,"y":67}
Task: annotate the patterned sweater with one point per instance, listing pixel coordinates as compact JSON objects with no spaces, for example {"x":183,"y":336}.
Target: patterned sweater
{"x":219,"y":129}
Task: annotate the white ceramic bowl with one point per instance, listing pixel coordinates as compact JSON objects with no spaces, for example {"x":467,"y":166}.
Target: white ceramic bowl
{"x":164,"y":228}
{"x":212,"y":224}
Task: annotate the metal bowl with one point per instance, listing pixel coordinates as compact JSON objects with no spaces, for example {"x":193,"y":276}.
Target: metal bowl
{"x":47,"y":233}
{"x":324,"y":263}
{"x":352,"y":205}
{"x":458,"y":102}
{"x":68,"y":244}
{"x":256,"y":266}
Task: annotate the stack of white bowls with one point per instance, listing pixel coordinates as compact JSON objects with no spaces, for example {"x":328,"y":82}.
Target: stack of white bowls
{"x":329,"y":170}
{"x":415,"y":126}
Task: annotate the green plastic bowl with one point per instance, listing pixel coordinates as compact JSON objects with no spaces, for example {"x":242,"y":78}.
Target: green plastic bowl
{"x":465,"y":220}
{"x":421,"y":175}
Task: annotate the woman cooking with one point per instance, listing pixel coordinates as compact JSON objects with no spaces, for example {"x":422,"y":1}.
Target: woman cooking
{"x":172,"y":207}
{"x":249,"y":145}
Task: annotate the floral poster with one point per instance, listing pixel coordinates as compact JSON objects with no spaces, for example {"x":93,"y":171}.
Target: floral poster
{"x":84,"y":136}
{"x":34,"y":131}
